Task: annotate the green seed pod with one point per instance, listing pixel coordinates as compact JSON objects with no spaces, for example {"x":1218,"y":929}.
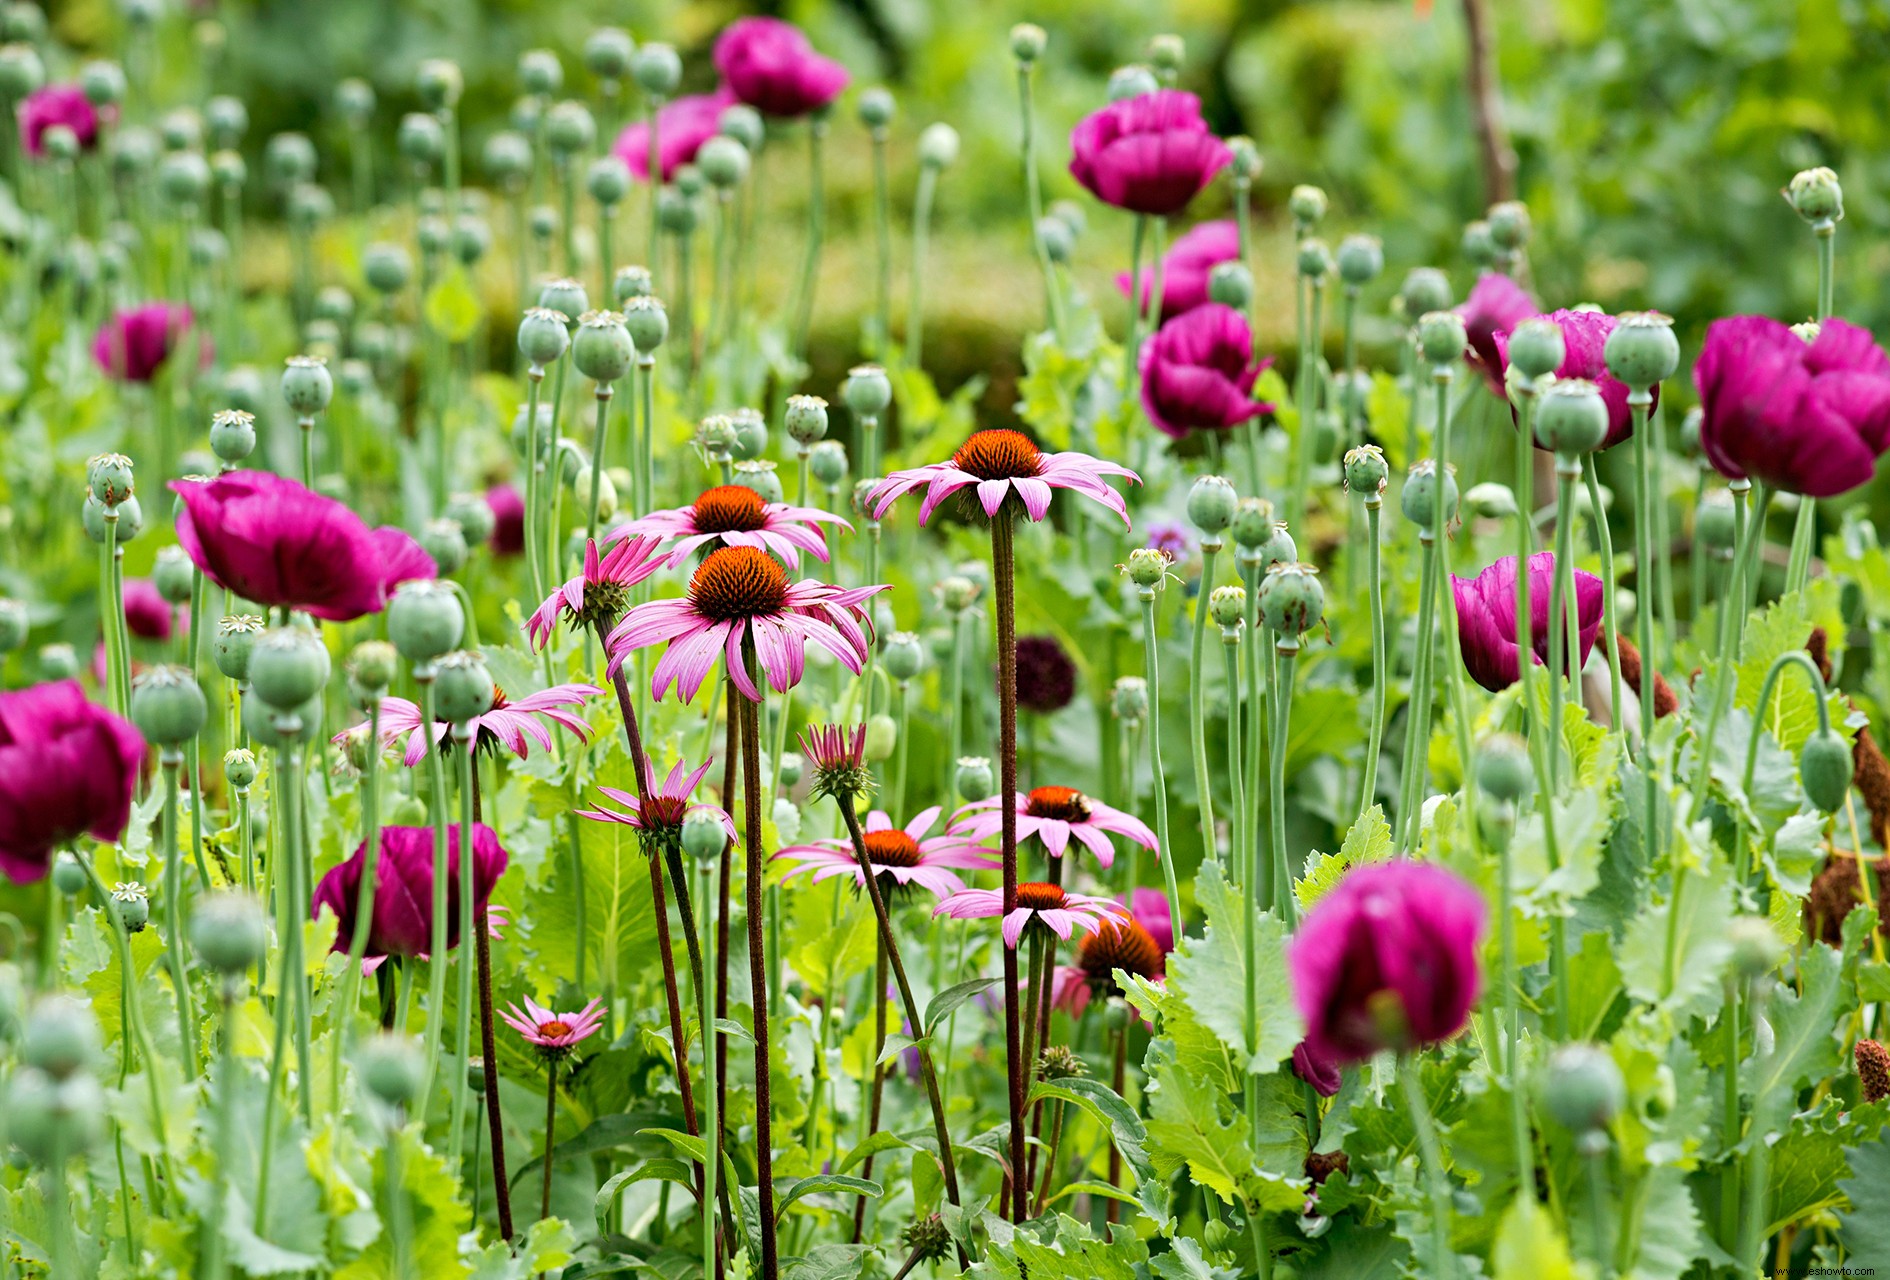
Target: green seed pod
{"x":60,"y":1037}
{"x":1816,"y":195}
{"x":569,"y":129}
{"x":1147,"y":567}
{"x":230,"y":648}
{"x":239,"y":768}
{"x":1572,"y":417}
{"x":973,"y":778}
{"x":420,"y":139}
{"x":21,"y":71}
{"x":723,"y":161}
{"x":68,"y":875}
{"x":1228,"y":606}
{"x":1360,"y":259}
{"x":1133,"y":81}
{"x":1503,"y":769}
{"x":904,"y":657}
{"x":1582,"y":1087}
{"x":602,"y":350}
{"x":1253,"y":522}
{"x":1418,"y":497}
{"x":1426,"y":289}
{"x":608,"y":52}
{"x":540,"y":73}
{"x":58,"y":661}
{"x":792,"y":766}
{"x":1307,"y":205}
{"x":1825,"y":769}
{"x":173,"y":575}
{"x":110,"y":479}
{"x":462,"y":687}
{"x":566,"y":297}
{"x":1028,"y":41}
{"x":508,"y":159}
{"x":1279,"y":548}
{"x":425,"y":620}
{"x":1509,"y":225}
{"x":744,"y":124}
{"x":938,"y":146}
{"x":229,"y":171}
{"x":129,"y":525}
{"x":1441,"y":337}
{"x":103,"y":84}
{"x":703,"y":836}
{"x":473,"y":515}
{"x":1128,"y":699}
{"x":1211,"y":505}
{"x":1477,"y":245}
{"x":275,"y":727}
{"x":759,"y":474}
{"x":1314,"y":259}
{"x":828,"y":463}
{"x":1642,"y":351}
{"x":386,"y":267}
{"x":230,"y":931}
{"x":657,"y":69}
{"x":751,"y":435}
{"x":392,"y":1068}
{"x":1490,"y":501}
{"x":542,"y":336}
{"x":354,"y":99}
{"x":648,"y":323}
{"x":1756,"y":948}
{"x":1537,"y":347}
{"x":806,"y":420}
{"x":439,"y":83}
{"x":307,"y":386}
{"x":867,"y":390}
{"x":881,"y":736}
{"x":167,"y":705}
{"x":876,"y":107}
{"x":445,"y":541}
{"x":1059,"y":242}
{"x":1366,"y":471}
{"x":1231,"y":285}
{"x":1291,"y":600}
{"x":287,"y":667}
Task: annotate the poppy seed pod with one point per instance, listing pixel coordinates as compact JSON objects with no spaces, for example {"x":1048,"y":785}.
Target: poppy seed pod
{"x":1128,"y":699}
{"x":130,"y":520}
{"x":1509,"y":225}
{"x":759,"y":474}
{"x":1279,"y":548}
{"x":1583,"y":1088}
{"x":1419,"y":495}
{"x":631,"y":282}
{"x":68,"y":875}
{"x":1491,"y":501}
{"x":1132,"y":81}
{"x":1028,"y":41}
{"x":938,"y":146}
{"x":1756,"y":948}
{"x":167,"y":706}
{"x":743,"y":123}
{"x":110,"y":478}
{"x":392,"y":1068}
{"x":566,"y":297}
{"x":14,"y":625}
{"x":1314,"y":259}
{"x":1477,"y":245}
{"x":60,"y":1037}
{"x":540,"y":73}
{"x":1230,"y":284}
{"x":703,"y":837}
{"x":425,"y":620}
{"x":1816,"y":195}
{"x":1059,"y":242}
{"x":1426,"y":289}
{"x":386,"y":267}
{"x":239,"y":768}
{"x":648,"y":323}
{"x":602,"y":350}
{"x":1147,"y":567}
{"x":307,"y":386}
{"x":828,"y":463}
{"x":973,"y":777}
{"x":876,"y":108}
{"x":1360,"y":259}
{"x":657,"y":69}
{"x":103,"y":84}
{"x":58,"y":662}
{"x":1642,"y":351}
{"x":21,"y":71}
{"x":1537,"y":347}
{"x":715,"y":435}
{"x":542,"y":337}
{"x":1291,"y":600}
{"x":1366,"y":471}
{"x":867,"y":390}
{"x":420,"y":138}
{"x":1442,"y":337}
{"x":1307,"y":205}
{"x":473,"y":514}
{"x":439,"y":83}
{"x":791,"y":768}
{"x":230,"y":647}
{"x":445,"y":541}
{"x":1228,"y":605}
{"x":462,"y":687}
{"x":508,"y":158}
{"x":372,"y":666}
{"x":1253,"y":522}
{"x":1502,"y":767}
{"x":751,"y":434}
{"x":608,"y":180}
{"x":288,"y":666}
{"x":229,"y":171}
{"x":1211,"y":504}
{"x":1825,"y":768}
{"x":229,"y":931}
{"x":569,"y":129}
{"x":1572,"y":418}
{"x":173,"y":575}
{"x":354,"y":99}
{"x":723,"y":161}
{"x":184,"y":177}
{"x":806,"y":420}
{"x":904,"y":657}
{"x":608,"y":52}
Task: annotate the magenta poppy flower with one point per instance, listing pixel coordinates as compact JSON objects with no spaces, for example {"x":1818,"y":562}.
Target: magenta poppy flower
{"x":402,"y":924}
{"x":555,"y":1034}
{"x":1584,"y":335}
{"x":273,"y":542}
{"x":905,"y":856}
{"x":1496,"y":305}
{"x":147,"y":613}
{"x":57,"y":104}
{"x":1486,"y":618}
{"x":1002,"y":462}
{"x":67,"y":768}
{"x":1149,"y":908}
{"x":1186,"y":267}
{"x":1148,"y":154}
{"x":134,"y":344}
{"x":1321,"y":1073}
{"x":1047,"y":906}
{"x":739,"y":594}
{"x":1387,"y":960}
{"x":509,"y":724}
{"x":1808,"y":418}
{"x":1057,"y":815}
{"x":771,"y":65}
{"x":683,"y":125}
{"x":669,"y":803}
{"x":733,"y":515}
{"x":508,"y":520}
{"x":1198,"y":372}
{"x":598,"y":594}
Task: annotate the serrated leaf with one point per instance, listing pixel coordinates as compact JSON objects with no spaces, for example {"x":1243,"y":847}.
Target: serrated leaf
{"x":1865,"y":1228}
{"x":1678,"y":975}
{"x":1804,"y":1046}
{"x":1781,"y":627}
{"x":822,"y":1184}
{"x":1368,"y":840}
{"x":1210,"y":973}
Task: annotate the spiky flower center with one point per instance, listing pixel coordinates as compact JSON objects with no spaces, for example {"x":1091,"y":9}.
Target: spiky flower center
{"x":665,"y":812}
{"x":1119,"y":944}
{"x":553,"y":1029}
{"x":892,"y":848}
{"x":1064,"y":803}
{"x":999,"y":454}
{"x":728,"y":508}
{"x":738,"y":582}
{"x":1034,"y":895}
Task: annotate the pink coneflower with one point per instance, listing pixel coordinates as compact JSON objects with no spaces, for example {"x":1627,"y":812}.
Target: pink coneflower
{"x":1002,"y":462}
{"x":735,"y":594}
{"x":1048,"y":904}
{"x":509,"y":724}
{"x":1127,"y":945}
{"x":597,"y":595}
{"x":734,"y":515}
{"x":905,"y":856}
{"x":669,"y":804}
{"x":1054,"y":815}
{"x":555,"y":1034}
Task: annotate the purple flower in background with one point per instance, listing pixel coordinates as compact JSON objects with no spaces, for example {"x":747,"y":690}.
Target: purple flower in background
{"x":67,"y":768}
{"x":1198,"y":372}
{"x":1496,"y":305}
{"x":147,"y":613}
{"x":1171,"y":538}
{"x":508,"y":520}
{"x":1808,"y":418}
{"x":1187,"y":265}
{"x":1387,"y":960}
{"x":771,"y":66}
{"x":1584,"y":335}
{"x":57,"y":104}
{"x":402,"y":924}
{"x":1486,"y":618}
{"x":682,"y":127}
{"x":134,"y":344}
{"x":1147,"y":154}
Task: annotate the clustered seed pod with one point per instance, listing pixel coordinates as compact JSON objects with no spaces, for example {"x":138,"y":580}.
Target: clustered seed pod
{"x":1642,"y":350}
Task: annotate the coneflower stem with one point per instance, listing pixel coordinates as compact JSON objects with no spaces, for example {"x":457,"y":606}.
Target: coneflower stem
{"x":501,"y":1189}
{"x":1197,"y":695}
{"x":551,"y":1131}
{"x":711,"y":1125}
{"x":1004,"y":589}
{"x":754,"y":857}
{"x":462,"y":1012}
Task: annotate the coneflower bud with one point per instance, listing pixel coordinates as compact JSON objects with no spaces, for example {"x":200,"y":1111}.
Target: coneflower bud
{"x":1873,"y":1070}
{"x":927,"y":1238}
{"x":837,"y":756}
{"x":1059,"y":1062}
{"x":1816,"y":195}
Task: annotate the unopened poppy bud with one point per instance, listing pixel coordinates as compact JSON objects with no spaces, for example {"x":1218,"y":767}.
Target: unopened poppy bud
{"x":508,"y":159}
{"x":602,"y":350}
{"x":1537,"y":347}
{"x":424,"y":620}
{"x":1825,"y":769}
{"x":1418,"y":498}
{"x":439,"y":83}
{"x":1756,"y":949}
{"x":1212,"y":502}
{"x":751,"y":435}
{"x":60,"y":1037}
{"x":1027,"y":42}
{"x":875,"y":107}
{"x":1147,"y":567}
{"x":354,"y":99}
{"x":462,"y":687}
{"x":1228,"y":605}
{"x":1572,"y":418}
{"x":1231,"y":285}
{"x":1366,"y":471}
{"x":420,"y":138}
{"x":230,"y":931}
{"x":608,"y":52}
{"x":1642,"y":350}
{"x":173,"y":575}
{"x":1128,"y":699}
{"x":867,"y":390}
{"x":1490,"y":501}
{"x":648,"y":323}
{"x":1291,"y":600}
{"x":973,"y":778}
{"x":715,"y":435}
{"x":542,"y":336}
{"x":1307,"y":204}
{"x":68,"y":875}
{"x":703,"y":836}
{"x":239,"y":768}
{"x":1509,"y":225}
{"x":230,"y":647}
{"x":445,"y":541}
{"x":760,"y":475}
{"x":473,"y":514}
{"x":723,"y":161}
{"x":539,"y":72}
{"x":392,"y":1068}
{"x":288,"y":666}
{"x":938,"y":146}
{"x":1441,"y":337}
{"x":1253,"y":522}
{"x":1816,"y":195}
{"x":1477,"y":245}
{"x":806,"y":419}
{"x":904,"y":657}
{"x":1583,"y":1088}
{"x":110,"y":478}
{"x":1133,"y":81}
{"x":1360,"y":259}
{"x":657,"y":69}
{"x":1315,"y":260}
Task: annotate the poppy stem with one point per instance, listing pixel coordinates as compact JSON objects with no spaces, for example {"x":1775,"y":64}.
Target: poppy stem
{"x":534,"y":384}
{"x":1286,"y":649}
{"x":1443,"y":1261}
{"x":653,"y":170}
{"x":1499,"y":830}
{"x":599,"y":442}
{"x":1639,"y":402}
{"x":462,"y":1012}
{"x":1417,"y":733}
{"x":1152,"y":669}
{"x":437,"y":938}
{"x":364,"y":902}
{"x":1609,"y":618}
{"x":1562,"y":672}
{"x":1033,"y":194}
{"x":1257,"y":871}
{"x":882,"y":240}
{"x":755,"y":856}
{"x":1130,"y":341}
{"x":1197,"y":694}
{"x":1381,"y":675}
{"x":1732,"y":618}
{"x":921,"y":233}
{"x":171,"y":760}
{"x":810,"y":263}
{"x":1004,"y":587}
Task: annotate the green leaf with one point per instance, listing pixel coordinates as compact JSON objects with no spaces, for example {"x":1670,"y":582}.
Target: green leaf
{"x":1210,"y":973}
{"x":1865,"y":1229}
{"x":1117,"y":1116}
{"x":1529,"y":1247}
{"x":823,"y":1184}
{"x":828,"y":1262}
{"x":1193,"y":1123}
{"x":884,"y":1140}
{"x":547,"y":1248}
{"x":1360,"y":1254}
{"x":941,"y":1005}
{"x":605,"y":1133}
{"x":1368,"y":840}
{"x":1796,"y":853}
{"x":1074,"y":1254}
{"x":1784,"y":626}
{"x":438,"y":1214}
{"x":1803,"y":1045}
{"x":1683,"y":976}
{"x":663,"y":1170}
{"x":897,"y":1044}
{"x":1807,"y":1165}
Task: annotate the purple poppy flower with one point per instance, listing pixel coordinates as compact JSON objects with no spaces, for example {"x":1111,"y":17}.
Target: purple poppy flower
{"x":403,"y":888}
{"x":67,"y":768}
{"x":1198,"y":372}
{"x":135,"y":343}
{"x":1187,"y":265}
{"x":1496,"y":305}
{"x":147,"y":613}
{"x":682,"y":127}
{"x":771,"y":66}
{"x":1808,"y":418}
{"x":1387,"y":960}
{"x":1171,"y":538}
{"x":1486,"y":617}
{"x":57,"y":104}
{"x":1147,"y":154}
{"x":1584,"y":335}
{"x":271,"y":541}
{"x":508,"y":520}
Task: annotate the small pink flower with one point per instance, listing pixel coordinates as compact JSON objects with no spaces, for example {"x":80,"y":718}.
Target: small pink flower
{"x":733,"y":515}
{"x":906,"y":856}
{"x":1055,"y":815}
{"x":1496,"y":305}
{"x":555,"y":1034}
{"x":772,"y":66}
{"x":1047,"y":905}
{"x":682,"y":126}
{"x":1001,"y":462}
{"x":739,"y":594}
{"x":507,"y":725}
{"x":57,"y":104}
{"x":597,"y":595}
{"x":136,"y":342}
{"x":669,"y":803}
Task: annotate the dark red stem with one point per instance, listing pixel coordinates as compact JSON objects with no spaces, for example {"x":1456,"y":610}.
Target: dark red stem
{"x":1005,"y":587}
